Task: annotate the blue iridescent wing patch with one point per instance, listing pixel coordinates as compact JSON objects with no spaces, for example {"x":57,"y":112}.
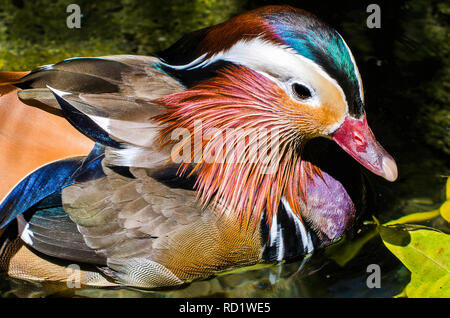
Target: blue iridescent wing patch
{"x":49,"y":179}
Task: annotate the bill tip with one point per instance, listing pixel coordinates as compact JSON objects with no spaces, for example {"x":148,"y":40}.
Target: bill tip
{"x":390,"y":169}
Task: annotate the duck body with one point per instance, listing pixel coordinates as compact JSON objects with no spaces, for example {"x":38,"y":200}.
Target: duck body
{"x":140,"y":216}
{"x":157,"y":235}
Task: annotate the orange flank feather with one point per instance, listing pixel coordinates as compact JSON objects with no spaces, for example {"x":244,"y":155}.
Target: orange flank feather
{"x":263,"y":163}
{"x":8,"y":78}
{"x":31,"y":137}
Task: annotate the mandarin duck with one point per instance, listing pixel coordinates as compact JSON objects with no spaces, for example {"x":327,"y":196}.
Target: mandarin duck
{"x":157,"y":170}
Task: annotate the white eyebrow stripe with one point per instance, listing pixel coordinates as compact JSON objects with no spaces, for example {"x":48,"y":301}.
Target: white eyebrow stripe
{"x":262,"y":55}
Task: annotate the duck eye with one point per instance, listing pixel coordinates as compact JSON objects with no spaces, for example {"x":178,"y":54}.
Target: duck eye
{"x":301,"y":91}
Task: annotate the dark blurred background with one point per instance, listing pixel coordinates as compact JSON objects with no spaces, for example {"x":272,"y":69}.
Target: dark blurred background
{"x":404,"y":66}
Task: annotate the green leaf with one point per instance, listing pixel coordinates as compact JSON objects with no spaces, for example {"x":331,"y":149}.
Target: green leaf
{"x":426,"y":254}
{"x":445,"y":211}
{"x":445,"y":208}
{"x":415,"y":217}
{"x":396,"y":232}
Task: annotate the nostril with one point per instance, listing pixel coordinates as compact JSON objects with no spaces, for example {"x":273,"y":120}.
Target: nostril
{"x":358,"y":138}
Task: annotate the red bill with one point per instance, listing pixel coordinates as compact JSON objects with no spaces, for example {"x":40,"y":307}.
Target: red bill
{"x":356,"y":138}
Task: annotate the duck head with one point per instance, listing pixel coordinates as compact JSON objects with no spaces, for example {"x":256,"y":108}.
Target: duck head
{"x":277,"y":68}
